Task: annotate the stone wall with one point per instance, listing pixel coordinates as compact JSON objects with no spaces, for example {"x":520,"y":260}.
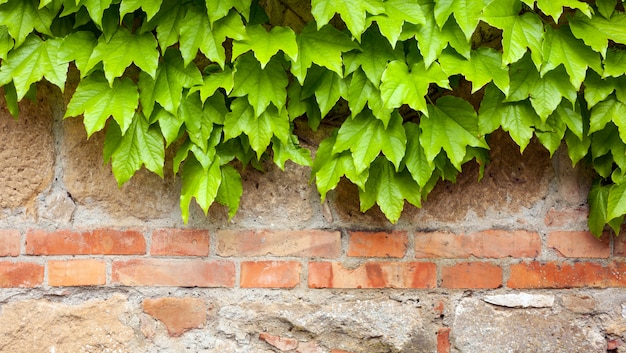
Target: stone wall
{"x":501,"y":265}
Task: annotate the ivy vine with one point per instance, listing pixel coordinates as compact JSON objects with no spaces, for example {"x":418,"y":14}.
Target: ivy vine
{"x":225,"y":80}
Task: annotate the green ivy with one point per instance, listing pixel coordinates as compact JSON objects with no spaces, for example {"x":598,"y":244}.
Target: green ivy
{"x":222,"y":81}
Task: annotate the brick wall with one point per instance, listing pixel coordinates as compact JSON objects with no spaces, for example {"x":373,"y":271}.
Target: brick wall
{"x":504,"y":264}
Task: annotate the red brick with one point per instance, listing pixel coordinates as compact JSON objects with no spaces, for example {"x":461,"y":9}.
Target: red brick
{"x":9,"y":242}
{"x":178,"y":314}
{"x":471,"y":275}
{"x":579,"y":244}
{"x":373,"y":275}
{"x":563,"y":275}
{"x":379,"y":244}
{"x":179,"y":273}
{"x":270,"y":274}
{"x":86,"y":272}
{"x":99,"y":241}
{"x":305,"y":243}
{"x":486,"y":244}
{"x":282,"y":344}
{"x":443,"y":340}
{"x":20,"y":274}
{"x":180,"y":242}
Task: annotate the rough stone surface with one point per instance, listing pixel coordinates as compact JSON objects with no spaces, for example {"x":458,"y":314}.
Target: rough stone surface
{"x":26,"y":152}
{"x":521,"y":300}
{"x":481,"y":327}
{"x":44,"y":326}
{"x":92,"y":185}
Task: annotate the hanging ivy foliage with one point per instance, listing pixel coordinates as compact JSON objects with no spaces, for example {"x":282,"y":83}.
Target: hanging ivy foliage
{"x":224,"y":81}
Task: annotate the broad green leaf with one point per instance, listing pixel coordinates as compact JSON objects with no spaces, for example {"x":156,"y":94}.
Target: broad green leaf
{"x":415,"y":159}
{"x":327,"y":86}
{"x":262,"y":85}
{"x":167,"y":22}
{"x":22,"y":17}
{"x":550,"y":133}
{"x":616,"y":202}
{"x":396,"y":13}
{"x":614,"y":63}
{"x":230,"y":190}
{"x":598,"y":203}
{"x":361,"y":92}
{"x":167,"y":86}
{"x":123,"y":49}
{"x":366,"y":137}
{"x":32,"y":61}
{"x":322,"y":47}
{"x":10,"y":98}
{"x":352,"y":12}
{"x":554,"y":9}
{"x":96,"y":9}
{"x":374,"y":55}
{"x":149,"y":7}
{"x":597,"y":31}
{"x":199,"y":117}
{"x":199,"y":183}
{"x":484,"y":65}
{"x":266,"y":44}
{"x":517,"y":118}
{"x":519,"y":32}
{"x":142,"y":144}
{"x":97,"y":101}
{"x":6,"y":42}
{"x":577,"y":149}
{"x":560,"y":47}
{"x":290,"y":151}
{"x":606,"y":7}
{"x":169,"y":124}
{"x":400,"y":86}
{"x":609,"y":110}
{"x":329,"y":167}
{"x":389,"y":189}
{"x":78,"y":47}
{"x":218,"y":9}
{"x":196,"y":34}
{"x":451,"y":125}
{"x":466,"y":12}
{"x":598,"y":89}
{"x":214,"y":81}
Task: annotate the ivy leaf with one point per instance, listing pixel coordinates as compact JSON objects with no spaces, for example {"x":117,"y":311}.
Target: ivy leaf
{"x":361,"y":92}
{"x":168,"y":22}
{"x":266,"y":44}
{"x":262,"y":85}
{"x":598,"y":203}
{"x":327,"y":86}
{"x":196,"y":34}
{"x":374,"y":55}
{"x":560,"y":47}
{"x":550,"y":133}
{"x":199,"y":183}
{"x":606,"y":7}
{"x":400,"y":86}
{"x":213,"y":81}
{"x":78,"y":47}
{"x":151,"y":8}
{"x":519,"y":32}
{"x":466,"y":12}
{"x":608,"y":110}
{"x":554,"y":9}
{"x":230,"y":190}
{"x":597,"y":31}
{"x":32,"y":61}
{"x":517,"y":118}
{"x":389,"y":189}
{"x":123,"y":49}
{"x":96,"y":9}
{"x":97,"y":101}
{"x":22,"y":17}
{"x":353,"y":13}
{"x":167,"y":86}
{"x":366,"y":137}
{"x":220,"y":9}
{"x":614,"y":63}
{"x":483,"y":66}
{"x":140,"y":145}
{"x":397,"y":12}
{"x":451,"y":125}
{"x":616,"y":202}
{"x":322,"y":47}
{"x":6,"y":42}
{"x":290,"y":151}
{"x":577,"y":148}
{"x":328,"y":168}
{"x":419,"y":166}
{"x":10,"y":99}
